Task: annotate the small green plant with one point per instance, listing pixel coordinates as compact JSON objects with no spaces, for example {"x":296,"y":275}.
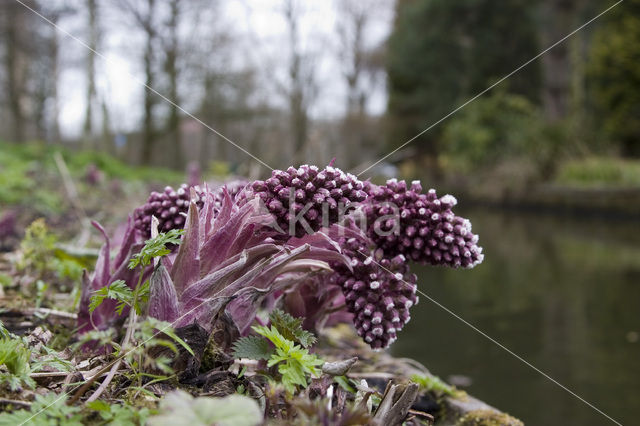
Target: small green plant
{"x":136,"y":298}
{"x":156,"y":247}
{"x":118,"y":290}
{"x":123,"y":415}
{"x":47,"y":410}
{"x":436,"y":385}
{"x":144,"y":335}
{"x":147,"y":334}
{"x":42,"y":259}
{"x":291,"y":355}
{"x":291,"y":328}
{"x":14,"y":360}
{"x":37,"y":247}
{"x":51,"y":359}
{"x":18,"y":361}
{"x":99,"y":337}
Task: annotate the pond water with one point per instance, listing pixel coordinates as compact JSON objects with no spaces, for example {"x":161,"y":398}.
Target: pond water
{"x":563,"y":293}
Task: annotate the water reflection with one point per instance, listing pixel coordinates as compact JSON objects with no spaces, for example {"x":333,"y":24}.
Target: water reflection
{"x":562,"y":293}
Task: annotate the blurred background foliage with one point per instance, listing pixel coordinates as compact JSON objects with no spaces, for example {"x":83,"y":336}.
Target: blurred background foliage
{"x":368,"y":78}
{"x":577,"y":101}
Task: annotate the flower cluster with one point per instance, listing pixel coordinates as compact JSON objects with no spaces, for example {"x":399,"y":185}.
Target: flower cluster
{"x":169,"y":207}
{"x":421,"y":226}
{"x":233,"y":187}
{"x":307,"y":198}
{"x":378,"y":291}
{"x":230,"y":259}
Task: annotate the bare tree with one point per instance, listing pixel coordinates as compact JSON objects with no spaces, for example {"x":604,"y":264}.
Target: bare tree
{"x":302,"y":87}
{"x":144,"y":17}
{"x":362,"y":64}
{"x":147,"y":21}
{"x":171,"y":51}
{"x":91,"y":97}
{"x":353,"y":18}
{"x":556,"y":92}
{"x":30,"y":65}
{"x":16,"y":65}
{"x":54,"y":51}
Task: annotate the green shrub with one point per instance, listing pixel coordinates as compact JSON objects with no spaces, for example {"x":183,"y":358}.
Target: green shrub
{"x":614,"y":77}
{"x":600,"y":172}
{"x":496,"y":128}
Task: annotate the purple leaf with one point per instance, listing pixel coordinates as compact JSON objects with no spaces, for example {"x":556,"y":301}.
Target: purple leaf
{"x":128,"y":241}
{"x":102,"y":271}
{"x":163,"y":300}
{"x":216,"y":248}
{"x":186,"y":267}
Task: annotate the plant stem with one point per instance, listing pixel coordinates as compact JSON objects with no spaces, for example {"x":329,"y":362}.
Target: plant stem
{"x":133,"y":316}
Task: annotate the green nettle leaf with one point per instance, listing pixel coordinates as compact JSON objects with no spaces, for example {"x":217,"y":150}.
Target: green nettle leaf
{"x":50,"y":409}
{"x":51,"y":359}
{"x":179,"y":408}
{"x":252,"y":347}
{"x":15,"y":356}
{"x":143,"y":296}
{"x":101,"y":337}
{"x":294,"y":362}
{"x":117,"y":290}
{"x":291,"y":328}
{"x":156,"y":247}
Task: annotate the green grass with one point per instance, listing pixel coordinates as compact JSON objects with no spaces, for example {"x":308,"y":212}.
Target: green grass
{"x":30,"y":177}
{"x":600,"y":172}
{"x":24,"y":154}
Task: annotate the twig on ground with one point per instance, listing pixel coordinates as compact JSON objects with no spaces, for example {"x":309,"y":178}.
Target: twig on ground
{"x":72,"y":194}
{"x":15,"y":402}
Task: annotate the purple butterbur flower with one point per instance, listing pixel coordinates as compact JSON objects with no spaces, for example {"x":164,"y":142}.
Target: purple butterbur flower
{"x":422,"y":227}
{"x":169,"y":207}
{"x":305,"y":199}
{"x":233,"y":187}
{"x":378,"y":291}
{"x":228,"y":259}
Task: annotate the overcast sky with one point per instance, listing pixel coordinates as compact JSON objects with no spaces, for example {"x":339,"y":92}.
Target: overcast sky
{"x":257,"y":25}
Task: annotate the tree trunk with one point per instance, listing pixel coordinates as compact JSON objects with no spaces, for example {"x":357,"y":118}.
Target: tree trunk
{"x":297,"y":102}
{"x":171,"y":67}
{"x":15,"y":72}
{"x":55,"y":73}
{"x":558,"y":15}
{"x":148,"y":133}
{"x":91,"y":73}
